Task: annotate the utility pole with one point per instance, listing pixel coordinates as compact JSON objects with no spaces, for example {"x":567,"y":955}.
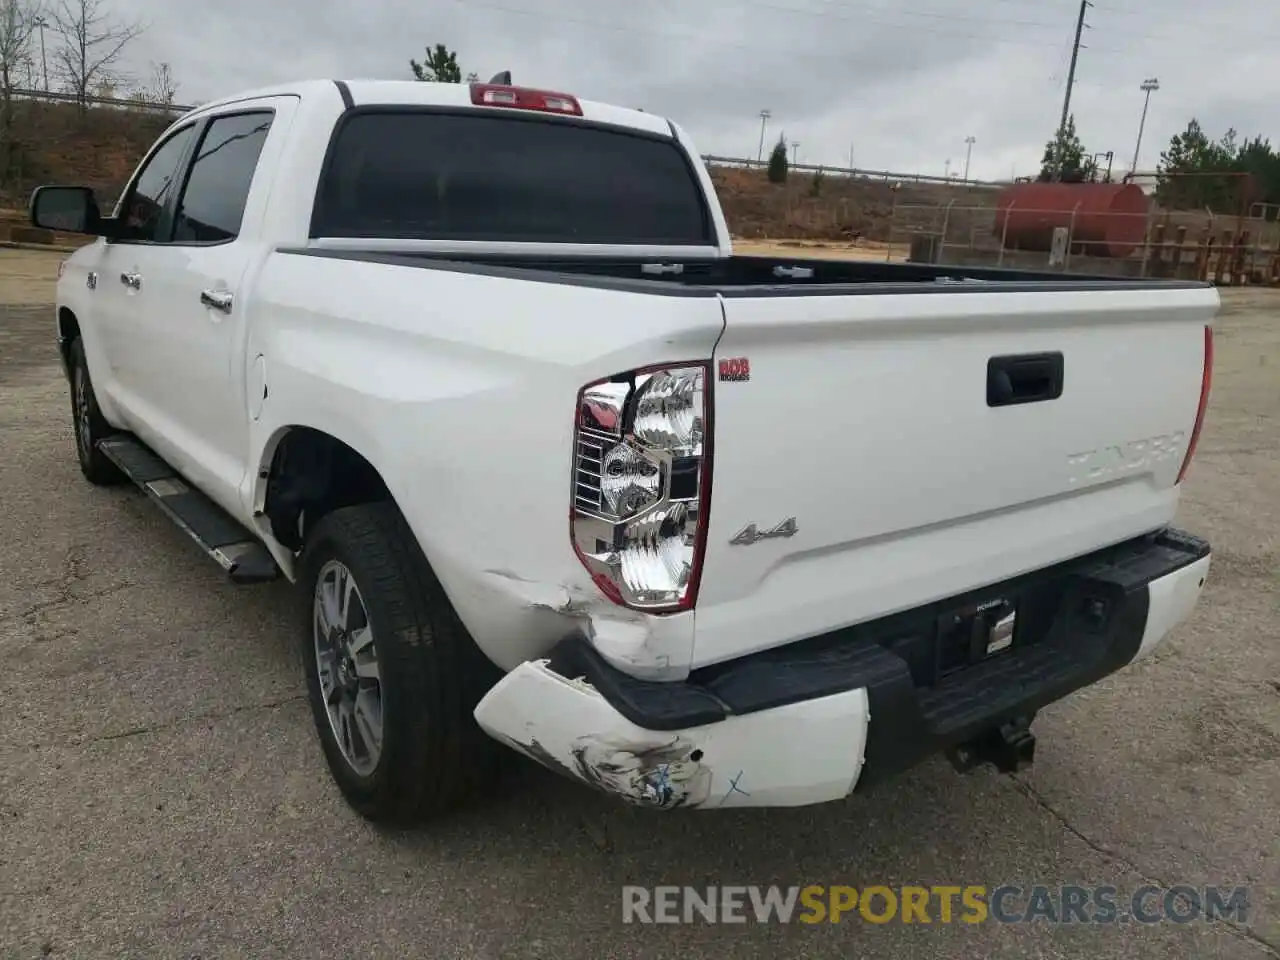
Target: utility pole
{"x":969,"y":141}
{"x":764,"y":119}
{"x":40,"y":24}
{"x":1149,"y":85}
{"x":795,"y":151}
{"x":946,"y":170}
{"x":1071,"y":77}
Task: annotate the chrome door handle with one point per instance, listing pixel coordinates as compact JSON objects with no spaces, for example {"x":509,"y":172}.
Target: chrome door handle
{"x":132,"y":280}
{"x":216,"y":300}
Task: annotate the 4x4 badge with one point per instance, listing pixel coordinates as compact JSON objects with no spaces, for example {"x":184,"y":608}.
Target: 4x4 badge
{"x":751,"y":534}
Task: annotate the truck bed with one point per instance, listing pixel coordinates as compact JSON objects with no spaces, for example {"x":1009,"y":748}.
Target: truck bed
{"x":745,"y":275}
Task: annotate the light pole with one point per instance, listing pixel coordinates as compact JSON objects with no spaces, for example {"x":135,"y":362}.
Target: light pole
{"x":1149,"y":86}
{"x":40,"y":24}
{"x":946,"y":170}
{"x":968,"y":155}
{"x":764,"y":119}
{"x":795,"y":151}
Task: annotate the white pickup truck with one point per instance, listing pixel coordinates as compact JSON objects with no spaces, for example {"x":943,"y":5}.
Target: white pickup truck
{"x":476,"y":367}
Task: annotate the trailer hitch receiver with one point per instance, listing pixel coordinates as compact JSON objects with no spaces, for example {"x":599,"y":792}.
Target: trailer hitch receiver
{"x":1008,"y":747}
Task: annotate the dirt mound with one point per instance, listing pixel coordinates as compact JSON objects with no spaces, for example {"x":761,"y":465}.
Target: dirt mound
{"x":54,"y":143}
{"x":840,"y":208}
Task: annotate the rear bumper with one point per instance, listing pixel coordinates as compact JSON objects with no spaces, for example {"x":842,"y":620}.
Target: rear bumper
{"x":812,"y":721}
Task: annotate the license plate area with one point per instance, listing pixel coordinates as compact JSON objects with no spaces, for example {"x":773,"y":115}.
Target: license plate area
{"x":973,"y":634}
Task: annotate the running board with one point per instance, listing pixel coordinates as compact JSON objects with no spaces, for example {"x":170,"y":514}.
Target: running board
{"x":228,"y":543}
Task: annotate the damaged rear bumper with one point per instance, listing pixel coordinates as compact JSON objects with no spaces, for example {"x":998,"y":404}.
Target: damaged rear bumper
{"x":811,"y":721}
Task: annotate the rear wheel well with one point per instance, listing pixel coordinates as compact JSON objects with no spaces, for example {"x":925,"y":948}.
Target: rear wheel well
{"x":311,"y":475}
{"x":68,"y":333}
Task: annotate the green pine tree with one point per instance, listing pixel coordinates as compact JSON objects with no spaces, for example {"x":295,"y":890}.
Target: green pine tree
{"x":1065,"y":158}
{"x":439,"y":66}
{"x":778,"y":165}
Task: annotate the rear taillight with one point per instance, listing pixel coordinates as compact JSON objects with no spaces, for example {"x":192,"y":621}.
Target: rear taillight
{"x":642,"y":485}
{"x":523,"y":98}
{"x":1206,"y":382}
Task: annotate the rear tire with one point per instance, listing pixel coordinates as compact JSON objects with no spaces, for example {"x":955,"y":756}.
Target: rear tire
{"x":88,"y":423}
{"x":396,"y":642}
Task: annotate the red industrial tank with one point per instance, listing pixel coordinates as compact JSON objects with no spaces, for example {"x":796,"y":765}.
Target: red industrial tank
{"x":1110,"y":218}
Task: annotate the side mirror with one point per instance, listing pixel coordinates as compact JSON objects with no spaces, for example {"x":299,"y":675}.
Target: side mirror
{"x":67,"y":210}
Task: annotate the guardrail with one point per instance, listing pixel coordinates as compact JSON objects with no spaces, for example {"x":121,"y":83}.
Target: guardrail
{"x":55,"y":97}
{"x":887,"y":175}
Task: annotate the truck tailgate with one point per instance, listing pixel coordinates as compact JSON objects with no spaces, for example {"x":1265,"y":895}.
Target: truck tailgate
{"x":868,"y":458}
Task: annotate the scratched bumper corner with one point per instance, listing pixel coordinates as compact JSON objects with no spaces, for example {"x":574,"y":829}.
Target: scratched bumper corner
{"x":799,"y":754}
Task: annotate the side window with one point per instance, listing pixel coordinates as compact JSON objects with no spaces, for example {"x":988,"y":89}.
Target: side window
{"x":143,"y":209}
{"x":213,"y":201}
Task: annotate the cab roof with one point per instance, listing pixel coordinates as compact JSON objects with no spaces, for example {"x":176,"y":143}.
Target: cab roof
{"x":417,"y":93}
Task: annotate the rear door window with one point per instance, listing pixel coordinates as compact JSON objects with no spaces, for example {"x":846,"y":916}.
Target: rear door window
{"x":470,"y":176}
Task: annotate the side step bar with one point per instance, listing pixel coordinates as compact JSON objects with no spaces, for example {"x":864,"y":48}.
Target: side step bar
{"x":228,"y":543}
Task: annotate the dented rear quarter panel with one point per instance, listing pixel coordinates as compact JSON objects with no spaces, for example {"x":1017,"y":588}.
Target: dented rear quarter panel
{"x":461,"y":390}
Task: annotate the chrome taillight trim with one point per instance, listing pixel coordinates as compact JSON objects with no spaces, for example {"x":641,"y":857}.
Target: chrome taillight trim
{"x":649,"y":559}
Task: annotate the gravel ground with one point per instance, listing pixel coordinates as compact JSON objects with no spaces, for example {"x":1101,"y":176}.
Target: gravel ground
{"x":162,"y":793}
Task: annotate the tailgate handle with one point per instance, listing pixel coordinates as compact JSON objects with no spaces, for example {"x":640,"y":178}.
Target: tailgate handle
{"x":1024,"y":378}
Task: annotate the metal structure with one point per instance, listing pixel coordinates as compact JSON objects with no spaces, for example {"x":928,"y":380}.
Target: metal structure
{"x":969,"y":141}
{"x":1107,"y":155}
{"x":119,"y":102}
{"x":40,"y":22}
{"x":1149,"y":86}
{"x":764,"y":120}
{"x":890,"y":176}
{"x":1184,"y":244}
{"x":1071,"y":73}
{"x":1060,"y":247}
{"x":1267,"y":212}
{"x":1107,"y":218}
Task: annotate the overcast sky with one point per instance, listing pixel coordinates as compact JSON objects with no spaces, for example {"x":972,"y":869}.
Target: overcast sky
{"x":903,"y":83}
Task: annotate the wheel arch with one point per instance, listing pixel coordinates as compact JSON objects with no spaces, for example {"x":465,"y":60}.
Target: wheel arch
{"x":68,"y":333}
{"x":305,"y":473}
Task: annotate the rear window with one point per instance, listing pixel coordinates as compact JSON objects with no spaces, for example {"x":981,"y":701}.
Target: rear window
{"x":442,"y":176}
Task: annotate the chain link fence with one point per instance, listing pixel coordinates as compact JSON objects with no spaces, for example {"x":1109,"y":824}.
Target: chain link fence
{"x":1186,"y":244}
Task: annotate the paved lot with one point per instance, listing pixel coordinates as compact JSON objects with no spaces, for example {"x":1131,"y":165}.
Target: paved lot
{"x":162,"y":793}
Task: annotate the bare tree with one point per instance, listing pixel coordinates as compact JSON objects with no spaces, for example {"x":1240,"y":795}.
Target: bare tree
{"x":92,"y":42}
{"x":26,"y":75}
{"x":17,"y":26}
{"x":161,"y":88}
